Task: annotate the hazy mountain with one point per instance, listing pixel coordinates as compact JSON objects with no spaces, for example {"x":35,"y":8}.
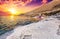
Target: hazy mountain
{"x":53,"y":6}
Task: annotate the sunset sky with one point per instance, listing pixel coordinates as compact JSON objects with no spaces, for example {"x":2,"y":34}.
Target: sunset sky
{"x":18,"y":7}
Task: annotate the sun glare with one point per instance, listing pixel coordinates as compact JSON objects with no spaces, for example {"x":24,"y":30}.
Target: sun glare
{"x":13,"y":11}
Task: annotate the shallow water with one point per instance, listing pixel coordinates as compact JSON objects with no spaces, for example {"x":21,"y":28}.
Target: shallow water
{"x":8,"y":23}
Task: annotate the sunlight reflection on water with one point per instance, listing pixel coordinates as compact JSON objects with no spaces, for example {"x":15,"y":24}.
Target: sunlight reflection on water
{"x":8,"y":23}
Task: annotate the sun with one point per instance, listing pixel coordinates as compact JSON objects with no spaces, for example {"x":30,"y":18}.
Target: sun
{"x":13,"y":11}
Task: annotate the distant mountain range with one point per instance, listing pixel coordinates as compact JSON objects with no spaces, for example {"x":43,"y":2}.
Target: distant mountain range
{"x":53,"y":6}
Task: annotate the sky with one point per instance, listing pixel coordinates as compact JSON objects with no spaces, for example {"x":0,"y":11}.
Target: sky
{"x":19,"y":7}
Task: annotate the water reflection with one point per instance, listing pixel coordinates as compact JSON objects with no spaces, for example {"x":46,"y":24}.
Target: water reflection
{"x":8,"y":23}
{"x":13,"y":20}
{"x":8,"y":20}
